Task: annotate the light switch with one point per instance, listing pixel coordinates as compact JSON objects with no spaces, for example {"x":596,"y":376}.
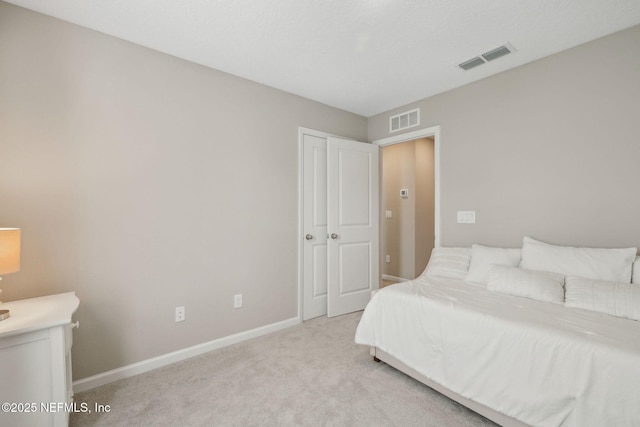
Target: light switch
{"x":388,"y":214}
{"x":466,"y":217}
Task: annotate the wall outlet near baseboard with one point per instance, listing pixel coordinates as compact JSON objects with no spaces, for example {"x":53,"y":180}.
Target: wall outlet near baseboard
{"x":237,"y":301}
{"x":181,"y":314}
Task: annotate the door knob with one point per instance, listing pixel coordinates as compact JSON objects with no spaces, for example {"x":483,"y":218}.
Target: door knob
{"x":308,"y":237}
{"x":334,"y":236}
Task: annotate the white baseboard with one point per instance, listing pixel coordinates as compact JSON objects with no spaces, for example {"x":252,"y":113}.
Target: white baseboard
{"x":394,"y":278}
{"x":176,"y":356}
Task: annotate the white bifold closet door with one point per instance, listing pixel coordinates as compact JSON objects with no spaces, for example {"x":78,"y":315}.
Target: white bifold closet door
{"x":340,"y":223}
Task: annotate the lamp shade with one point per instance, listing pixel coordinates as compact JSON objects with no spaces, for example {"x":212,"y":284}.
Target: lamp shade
{"x":9,"y":250}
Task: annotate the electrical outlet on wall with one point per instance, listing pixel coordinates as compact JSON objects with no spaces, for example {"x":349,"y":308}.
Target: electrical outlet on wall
{"x":388,"y":258}
{"x":237,"y":301}
{"x":181,"y":314}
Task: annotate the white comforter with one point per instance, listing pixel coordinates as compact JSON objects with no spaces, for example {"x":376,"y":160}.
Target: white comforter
{"x":541,"y":363}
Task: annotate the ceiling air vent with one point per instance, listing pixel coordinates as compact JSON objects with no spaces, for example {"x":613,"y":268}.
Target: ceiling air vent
{"x":496,"y":53}
{"x":405,"y":120}
{"x":487,"y":56}
{"x":472,"y":63}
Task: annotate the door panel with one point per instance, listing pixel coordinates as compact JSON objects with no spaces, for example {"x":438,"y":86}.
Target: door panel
{"x":319,"y":177}
{"x":353,"y":181}
{"x":352,"y":222}
{"x":353,"y":277}
{"x":320,"y":274}
{"x":314,"y":220}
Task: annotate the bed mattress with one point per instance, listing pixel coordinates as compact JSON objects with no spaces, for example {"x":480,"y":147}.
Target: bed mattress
{"x":541,"y":363}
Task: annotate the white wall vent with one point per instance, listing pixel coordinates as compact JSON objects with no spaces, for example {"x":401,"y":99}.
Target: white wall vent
{"x":405,"y":120}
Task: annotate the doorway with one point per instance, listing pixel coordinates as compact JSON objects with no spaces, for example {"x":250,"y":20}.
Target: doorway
{"x":410,"y":220}
{"x":407,"y":209}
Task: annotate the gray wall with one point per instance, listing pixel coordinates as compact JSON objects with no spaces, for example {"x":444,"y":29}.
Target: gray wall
{"x":549,"y":149}
{"x":144,"y":182}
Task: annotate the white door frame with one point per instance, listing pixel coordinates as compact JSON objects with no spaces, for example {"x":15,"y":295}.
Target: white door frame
{"x":433,"y":131}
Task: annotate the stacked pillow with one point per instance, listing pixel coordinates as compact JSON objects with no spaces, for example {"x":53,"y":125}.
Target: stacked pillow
{"x":595,"y":279}
{"x":484,"y":257}
{"x":448,"y":262}
{"x":598,"y":264}
{"x":617,"y":299}
{"x":588,"y":278}
{"x":498,"y":269}
{"x":541,"y":285}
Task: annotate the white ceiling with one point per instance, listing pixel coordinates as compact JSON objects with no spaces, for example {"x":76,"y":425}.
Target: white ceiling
{"x":363,"y":56}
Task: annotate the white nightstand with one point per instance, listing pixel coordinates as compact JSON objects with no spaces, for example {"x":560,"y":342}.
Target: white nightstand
{"x":35,"y":361}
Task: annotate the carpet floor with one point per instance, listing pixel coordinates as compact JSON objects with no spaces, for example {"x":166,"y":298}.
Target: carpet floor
{"x":312,"y":374}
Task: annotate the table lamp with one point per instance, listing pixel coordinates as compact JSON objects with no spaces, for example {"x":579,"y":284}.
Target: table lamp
{"x":9,"y":256}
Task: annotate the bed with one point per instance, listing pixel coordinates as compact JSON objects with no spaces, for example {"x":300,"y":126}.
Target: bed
{"x":524,"y":355}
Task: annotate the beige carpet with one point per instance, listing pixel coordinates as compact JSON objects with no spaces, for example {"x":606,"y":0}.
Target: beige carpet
{"x":308,"y":375}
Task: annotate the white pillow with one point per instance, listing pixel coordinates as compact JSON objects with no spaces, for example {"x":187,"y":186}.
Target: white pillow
{"x":539,"y":285}
{"x":449,"y":262}
{"x":483,"y":257}
{"x":613,"y":265}
{"x":635,"y":275}
{"x":617,"y":299}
